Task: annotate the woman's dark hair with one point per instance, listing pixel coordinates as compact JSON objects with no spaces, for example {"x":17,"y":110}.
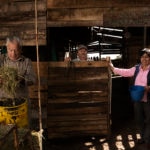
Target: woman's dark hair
{"x":145,"y":51}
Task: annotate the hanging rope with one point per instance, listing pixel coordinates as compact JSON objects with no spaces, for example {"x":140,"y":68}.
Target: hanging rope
{"x":38,"y":76}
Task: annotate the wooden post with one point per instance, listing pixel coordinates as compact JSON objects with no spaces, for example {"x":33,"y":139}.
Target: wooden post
{"x":16,"y":141}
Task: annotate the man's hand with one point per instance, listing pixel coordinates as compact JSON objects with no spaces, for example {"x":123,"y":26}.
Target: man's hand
{"x":21,"y":81}
{"x":67,"y":59}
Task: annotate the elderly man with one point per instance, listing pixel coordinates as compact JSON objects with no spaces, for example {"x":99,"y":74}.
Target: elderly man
{"x":81,"y":54}
{"x":14,"y":59}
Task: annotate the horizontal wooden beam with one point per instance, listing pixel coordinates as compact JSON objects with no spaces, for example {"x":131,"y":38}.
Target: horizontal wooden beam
{"x":127,"y":17}
{"x":75,"y":17}
{"x":112,"y":17}
{"x":74,"y":23}
{"x":75,"y":14}
{"x":26,"y":32}
{"x":95,"y":3}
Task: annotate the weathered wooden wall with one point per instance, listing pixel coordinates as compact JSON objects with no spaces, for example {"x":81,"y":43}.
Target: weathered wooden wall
{"x":112,"y":13}
{"x":17,"y":17}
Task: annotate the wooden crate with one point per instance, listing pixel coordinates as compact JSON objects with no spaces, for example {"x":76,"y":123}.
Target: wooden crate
{"x":78,"y":99}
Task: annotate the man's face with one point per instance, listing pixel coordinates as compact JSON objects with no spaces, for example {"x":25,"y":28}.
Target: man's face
{"x":82,"y":54}
{"x":13,"y":51}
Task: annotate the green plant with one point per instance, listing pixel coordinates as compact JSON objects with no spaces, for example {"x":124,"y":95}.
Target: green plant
{"x":9,"y":81}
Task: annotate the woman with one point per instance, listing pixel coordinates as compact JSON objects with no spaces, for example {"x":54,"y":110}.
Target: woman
{"x":141,"y":76}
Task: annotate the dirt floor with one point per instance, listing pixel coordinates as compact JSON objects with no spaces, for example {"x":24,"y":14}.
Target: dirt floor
{"x":123,"y":137}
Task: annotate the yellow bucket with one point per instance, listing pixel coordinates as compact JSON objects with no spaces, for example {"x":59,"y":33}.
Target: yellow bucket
{"x":15,"y":114}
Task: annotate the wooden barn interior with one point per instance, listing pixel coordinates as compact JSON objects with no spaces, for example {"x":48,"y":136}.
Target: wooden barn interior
{"x":69,"y":107}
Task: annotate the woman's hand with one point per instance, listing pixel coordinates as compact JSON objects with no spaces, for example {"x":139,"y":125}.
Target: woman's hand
{"x":111,"y":66}
{"x":110,"y":63}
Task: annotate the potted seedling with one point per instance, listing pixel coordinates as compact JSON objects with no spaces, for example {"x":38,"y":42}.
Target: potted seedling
{"x":9,"y":83}
{"x":12,"y":109}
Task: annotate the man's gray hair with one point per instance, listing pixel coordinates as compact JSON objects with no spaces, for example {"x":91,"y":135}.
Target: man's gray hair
{"x":14,"y":39}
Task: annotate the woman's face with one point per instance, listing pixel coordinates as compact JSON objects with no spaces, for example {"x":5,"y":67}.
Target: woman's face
{"x":13,"y":51}
{"x":145,"y":60}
